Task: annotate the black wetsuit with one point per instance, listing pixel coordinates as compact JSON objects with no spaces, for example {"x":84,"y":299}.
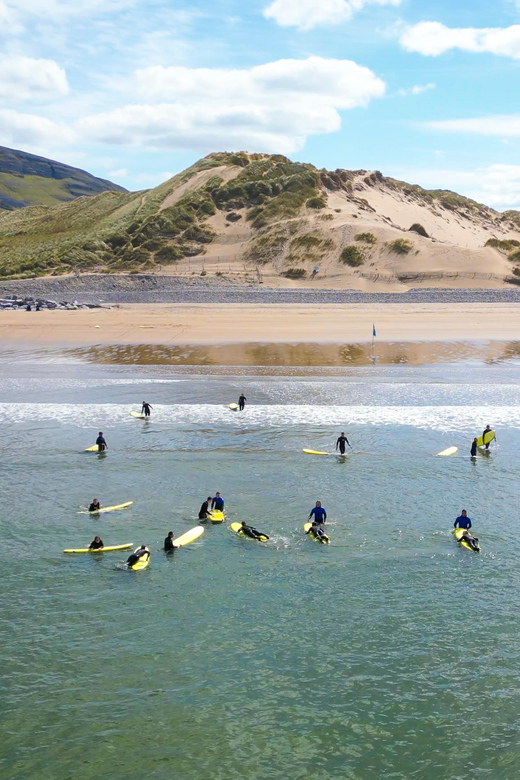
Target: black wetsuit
{"x":341,"y":442}
{"x":471,"y":540}
{"x":204,"y":511}
{"x":242,"y":402}
{"x":134,"y":557}
{"x":96,"y":545}
{"x":101,"y":443}
{"x":248,"y":530}
{"x":94,"y":507}
{"x":168,"y":544}
{"x":488,"y":430}
{"x":145,"y":409}
{"x":317,"y":531}
{"x":473,"y":449}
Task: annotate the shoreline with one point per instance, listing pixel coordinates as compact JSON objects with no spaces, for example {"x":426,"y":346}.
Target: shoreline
{"x":242,"y":323}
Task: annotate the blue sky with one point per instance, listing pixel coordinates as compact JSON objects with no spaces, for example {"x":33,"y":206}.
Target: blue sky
{"x":135,"y":91}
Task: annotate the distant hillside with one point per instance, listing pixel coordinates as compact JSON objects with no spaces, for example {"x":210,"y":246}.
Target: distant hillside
{"x":29,"y":180}
{"x":262,"y":217}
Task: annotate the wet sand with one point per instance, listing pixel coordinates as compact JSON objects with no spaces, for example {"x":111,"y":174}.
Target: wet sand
{"x":178,"y":324}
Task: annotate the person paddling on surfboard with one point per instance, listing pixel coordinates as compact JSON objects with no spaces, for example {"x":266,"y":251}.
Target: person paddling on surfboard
{"x":145,"y":409}
{"x":248,"y":530}
{"x":342,"y":440}
{"x":96,"y":544}
{"x":463,"y":521}
{"x":168,"y":542}
{"x":205,"y":511}
{"x":242,"y":402}
{"x":101,"y":443}
{"x":134,"y":557}
{"x":217,"y":502}
{"x":95,"y":505}
{"x":317,"y":531}
{"x":318,"y":513}
{"x":487,"y":429}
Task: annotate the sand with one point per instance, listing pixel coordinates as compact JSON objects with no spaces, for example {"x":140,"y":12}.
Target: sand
{"x":172,"y":324}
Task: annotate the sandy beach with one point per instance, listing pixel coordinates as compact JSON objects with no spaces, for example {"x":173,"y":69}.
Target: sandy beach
{"x":245,"y":323}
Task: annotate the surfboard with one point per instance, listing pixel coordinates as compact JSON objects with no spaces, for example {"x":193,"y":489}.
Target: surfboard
{"x":106,"y":509}
{"x":323,"y":540}
{"x":449,"y":451}
{"x":142,"y":563}
{"x":137,"y":415}
{"x":237,"y":529}
{"x":95,"y":448}
{"x":315,"y":452}
{"x":216,"y":516}
{"x":482,"y":440}
{"x":457,"y":533}
{"x":233,"y":407}
{"x":189,"y":536}
{"x":101,"y":549}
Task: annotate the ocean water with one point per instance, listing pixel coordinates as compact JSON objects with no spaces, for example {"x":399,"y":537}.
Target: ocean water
{"x":391,"y":653}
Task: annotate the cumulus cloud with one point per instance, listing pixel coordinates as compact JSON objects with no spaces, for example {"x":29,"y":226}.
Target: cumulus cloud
{"x":433,"y":39}
{"x":271,"y":107}
{"x":507,"y":125}
{"x":415,"y":90}
{"x":306,"y":14}
{"x":24,"y":78}
{"x":28,"y":131}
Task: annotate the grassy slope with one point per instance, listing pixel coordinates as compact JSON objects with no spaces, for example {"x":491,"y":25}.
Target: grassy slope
{"x":280,"y":201}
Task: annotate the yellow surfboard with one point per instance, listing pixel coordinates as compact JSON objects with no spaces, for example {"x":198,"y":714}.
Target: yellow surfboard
{"x":95,"y":448}
{"x":137,"y":415}
{"x":323,"y":540}
{"x":101,"y":549}
{"x":233,"y":407}
{"x":457,"y":533}
{"x":449,"y":451}
{"x":487,"y":439}
{"x":106,"y":509}
{"x":189,"y":536}
{"x":237,"y":528}
{"x":315,"y":452}
{"x":216,"y":516}
{"x":142,"y":563}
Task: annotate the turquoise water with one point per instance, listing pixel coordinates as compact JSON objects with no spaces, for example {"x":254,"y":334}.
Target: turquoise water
{"x":392,"y":653}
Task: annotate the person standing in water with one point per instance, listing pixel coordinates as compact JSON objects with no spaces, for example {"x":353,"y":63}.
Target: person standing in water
{"x":242,"y":402}
{"x":205,"y":511}
{"x":318,"y":514}
{"x":487,"y":429}
{"x":95,"y":505}
{"x":218,"y":502}
{"x":96,"y":544}
{"x":474,"y":448}
{"x":341,"y":442}
{"x":145,"y":409}
{"x":168,"y":542}
{"x":101,"y":443}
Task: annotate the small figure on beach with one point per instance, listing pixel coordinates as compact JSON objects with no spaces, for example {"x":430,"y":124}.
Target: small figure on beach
{"x":248,"y":530}
{"x":487,"y":429}
{"x":145,"y":409}
{"x":95,"y":505}
{"x":168,"y":542}
{"x":101,"y":443}
{"x":474,"y":448}
{"x":205,"y":511}
{"x":217,"y":502}
{"x":318,"y":513}
{"x":341,"y":442}
{"x":96,"y":543}
{"x":242,"y":402}
{"x":315,"y":271}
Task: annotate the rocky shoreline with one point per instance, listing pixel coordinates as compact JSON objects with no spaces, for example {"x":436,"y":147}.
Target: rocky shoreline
{"x":29,"y":303}
{"x":94,"y":289}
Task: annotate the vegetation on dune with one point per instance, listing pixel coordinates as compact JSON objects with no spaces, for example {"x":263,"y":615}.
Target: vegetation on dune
{"x":400,"y":246}
{"x":351,"y":255}
{"x":506,"y":245}
{"x":365,"y":238}
{"x":419,"y":229}
{"x":515,"y":256}
{"x":295,"y":273}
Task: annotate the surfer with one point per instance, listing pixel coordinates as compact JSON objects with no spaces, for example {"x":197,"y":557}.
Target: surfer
{"x":342,"y":440}
{"x":317,"y":531}
{"x":218,"y":503}
{"x":168,"y":542}
{"x":319,"y":514}
{"x":134,"y":557}
{"x":471,"y":541}
{"x":145,"y":409}
{"x":96,"y":544}
{"x":242,"y":402}
{"x":205,"y":511}
{"x":487,"y":429}
{"x":474,"y":448}
{"x":101,"y":443}
{"x":95,"y":505}
{"x":462,"y":521}
{"x":248,"y":530}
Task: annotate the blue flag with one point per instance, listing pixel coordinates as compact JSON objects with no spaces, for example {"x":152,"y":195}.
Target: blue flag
{"x":374,"y":331}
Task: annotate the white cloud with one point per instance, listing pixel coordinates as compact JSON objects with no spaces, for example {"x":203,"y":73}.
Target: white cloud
{"x":24,"y":78}
{"x":433,"y":39}
{"x":505,"y":125}
{"x":19,"y":12}
{"x":306,"y":14}
{"x":271,"y":107}
{"x":30,"y":132}
{"x":416,"y":90}
{"x":121,"y":173}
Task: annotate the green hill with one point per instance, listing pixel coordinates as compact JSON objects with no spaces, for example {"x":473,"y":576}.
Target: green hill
{"x":29,"y":180}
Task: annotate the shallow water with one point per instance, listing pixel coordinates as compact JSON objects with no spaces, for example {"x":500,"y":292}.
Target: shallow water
{"x":392,"y":653}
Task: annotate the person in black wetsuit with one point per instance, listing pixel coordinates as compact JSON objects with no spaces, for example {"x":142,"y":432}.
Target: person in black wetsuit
{"x":205,"y":511}
{"x":248,"y":530}
{"x":341,"y":442}
{"x":218,"y":503}
{"x":474,"y":448}
{"x":317,"y":531}
{"x":96,"y":544}
{"x":134,"y":557}
{"x":95,"y":505}
{"x":242,"y":402}
{"x":487,"y":429}
{"x":101,"y":443}
{"x":168,"y":542}
{"x":145,"y":409}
